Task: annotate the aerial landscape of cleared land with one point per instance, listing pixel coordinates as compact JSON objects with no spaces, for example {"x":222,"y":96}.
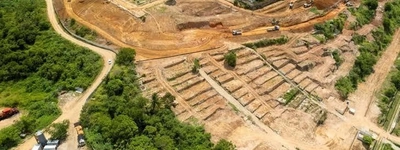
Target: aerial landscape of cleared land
{"x":200,"y":74}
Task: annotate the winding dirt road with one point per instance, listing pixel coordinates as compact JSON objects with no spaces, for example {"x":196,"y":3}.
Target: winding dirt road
{"x":72,"y":111}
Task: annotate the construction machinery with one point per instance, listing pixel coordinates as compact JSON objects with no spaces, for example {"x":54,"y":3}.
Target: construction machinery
{"x":275,"y":28}
{"x":306,"y":5}
{"x":348,"y":3}
{"x":79,"y":131}
{"x":275,"y":23}
{"x":236,"y":32}
{"x":8,"y":112}
{"x":291,"y":5}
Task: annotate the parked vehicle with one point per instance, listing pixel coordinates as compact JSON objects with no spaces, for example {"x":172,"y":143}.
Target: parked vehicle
{"x":79,"y":131}
{"x":8,"y":112}
{"x":236,"y":32}
{"x":275,"y":28}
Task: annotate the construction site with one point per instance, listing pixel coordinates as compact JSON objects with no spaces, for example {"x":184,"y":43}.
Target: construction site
{"x":276,"y":97}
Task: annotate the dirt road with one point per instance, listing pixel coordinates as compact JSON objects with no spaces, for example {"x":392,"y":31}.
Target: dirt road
{"x":10,"y":121}
{"x":365,"y":91}
{"x":332,"y":14}
{"x":72,"y":113}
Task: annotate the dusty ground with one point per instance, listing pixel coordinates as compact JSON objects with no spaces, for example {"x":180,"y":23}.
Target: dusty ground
{"x":257,"y":119}
{"x":189,"y":26}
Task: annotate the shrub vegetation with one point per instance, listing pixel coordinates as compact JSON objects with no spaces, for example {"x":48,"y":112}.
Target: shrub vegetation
{"x":35,"y":64}
{"x":230,"y":59}
{"x":370,"y":51}
{"x":123,"y":119}
{"x":267,"y":42}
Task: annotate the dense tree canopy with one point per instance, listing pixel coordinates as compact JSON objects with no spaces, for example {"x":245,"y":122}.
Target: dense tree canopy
{"x":35,"y":64}
{"x":125,"y":56}
{"x":123,"y":119}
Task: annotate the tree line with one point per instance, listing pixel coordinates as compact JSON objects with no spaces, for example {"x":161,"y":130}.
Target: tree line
{"x":370,"y":50}
{"x":35,"y":64}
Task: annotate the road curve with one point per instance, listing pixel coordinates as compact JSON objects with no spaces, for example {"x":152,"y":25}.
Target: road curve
{"x":72,"y":112}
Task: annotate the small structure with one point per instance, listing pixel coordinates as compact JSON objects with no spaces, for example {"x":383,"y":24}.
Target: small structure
{"x":43,"y":143}
{"x":37,"y":147}
{"x":78,"y":90}
{"x":306,"y":65}
{"x":53,"y":142}
{"x":50,"y":147}
{"x":291,"y":5}
{"x":365,"y":132}
{"x":352,"y":111}
{"x":40,"y":138}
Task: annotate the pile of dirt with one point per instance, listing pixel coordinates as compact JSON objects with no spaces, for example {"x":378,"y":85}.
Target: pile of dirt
{"x":324,"y":4}
{"x":200,"y":25}
{"x":201,"y":9}
{"x":190,"y":25}
{"x":253,"y":5}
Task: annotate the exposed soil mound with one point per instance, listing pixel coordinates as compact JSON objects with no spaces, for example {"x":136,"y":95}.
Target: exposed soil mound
{"x":216,"y":25}
{"x":324,"y":4}
{"x":200,"y":24}
{"x":190,"y":25}
{"x":203,"y":9}
{"x":253,"y":5}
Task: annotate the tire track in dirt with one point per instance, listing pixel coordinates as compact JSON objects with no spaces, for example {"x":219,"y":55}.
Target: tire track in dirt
{"x":365,"y":91}
{"x":305,"y":24}
{"x":143,"y":53}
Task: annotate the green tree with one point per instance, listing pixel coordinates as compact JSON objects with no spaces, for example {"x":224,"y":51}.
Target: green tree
{"x":125,"y":56}
{"x":230,"y":59}
{"x":224,"y":145}
{"x":344,"y":86}
{"x":142,"y":143}
{"x":396,"y":80}
{"x":368,"y":139}
{"x":59,"y":131}
{"x":114,"y":87}
{"x":387,"y":146}
{"x":196,"y":66}
{"x":155,"y":103}
{"x":122,"y":126}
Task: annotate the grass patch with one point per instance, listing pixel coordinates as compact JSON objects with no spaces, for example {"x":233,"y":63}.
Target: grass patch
{"x":315,"y":10}
{"x":267,"y":42}
{"x":337,"y":58}
{"x":289,"y":96}
{"x":234,"y":107}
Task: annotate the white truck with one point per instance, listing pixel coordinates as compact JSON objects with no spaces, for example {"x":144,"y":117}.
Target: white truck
{"x":236,"y":32}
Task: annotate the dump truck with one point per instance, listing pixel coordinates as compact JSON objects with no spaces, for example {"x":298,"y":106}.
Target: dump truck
{"x":236,"y":32}
{"x":275,"y":28}
{"x":8,"y":112}
{"x":79,"y":131}
{"x":306,"y":5}
{"x":291,"y":5}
